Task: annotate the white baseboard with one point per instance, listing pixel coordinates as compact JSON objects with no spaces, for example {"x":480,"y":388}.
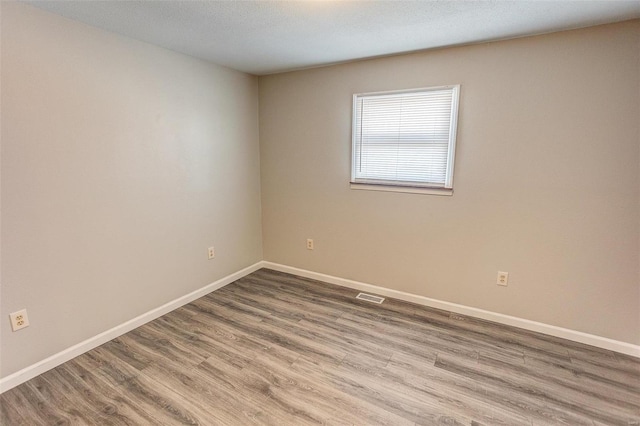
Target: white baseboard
{"x":55,"y":360}
{"x":552,"y":330}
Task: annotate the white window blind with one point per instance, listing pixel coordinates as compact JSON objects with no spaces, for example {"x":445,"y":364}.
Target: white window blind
{"x":405,"y":138}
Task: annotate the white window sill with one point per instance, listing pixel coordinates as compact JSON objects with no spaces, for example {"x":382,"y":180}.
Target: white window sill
{"x":405,"y":189}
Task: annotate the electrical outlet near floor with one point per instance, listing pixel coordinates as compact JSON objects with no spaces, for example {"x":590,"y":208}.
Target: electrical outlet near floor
{"x":211,"y":253}
{"x":309,"y":244}
{"x":503,"y":278}
{"x":19,"y":320}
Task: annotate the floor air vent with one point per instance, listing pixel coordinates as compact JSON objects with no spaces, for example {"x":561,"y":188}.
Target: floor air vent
{"x":370,"y":298}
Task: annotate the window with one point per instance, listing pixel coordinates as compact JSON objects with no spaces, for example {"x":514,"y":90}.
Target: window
{"x":405,"y":140}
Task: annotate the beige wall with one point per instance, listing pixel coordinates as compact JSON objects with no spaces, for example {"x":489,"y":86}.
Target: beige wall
{"x":547,"y":181}
{"x":121,"y":163}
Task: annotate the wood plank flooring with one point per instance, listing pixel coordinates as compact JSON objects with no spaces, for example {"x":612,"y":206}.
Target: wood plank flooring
{"x":277,"y":349}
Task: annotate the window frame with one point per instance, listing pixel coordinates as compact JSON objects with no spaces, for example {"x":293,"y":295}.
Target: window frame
{"x":408,"y":186}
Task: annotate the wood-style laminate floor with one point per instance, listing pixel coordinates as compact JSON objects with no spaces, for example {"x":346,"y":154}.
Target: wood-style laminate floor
{"x":276,"y":349}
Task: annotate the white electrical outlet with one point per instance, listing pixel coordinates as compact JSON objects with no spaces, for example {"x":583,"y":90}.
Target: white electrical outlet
{"x":19,"y":320}
{"x":503,"y":278}
{"x":211,"y":253}
{"x":309,"y":244}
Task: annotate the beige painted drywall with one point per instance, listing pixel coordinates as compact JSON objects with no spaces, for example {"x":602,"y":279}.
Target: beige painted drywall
{"x":121,"y":163}
{"x":546,"y":185}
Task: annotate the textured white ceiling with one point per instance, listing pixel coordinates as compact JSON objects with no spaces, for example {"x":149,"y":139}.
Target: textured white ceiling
{"x":263,"y":37}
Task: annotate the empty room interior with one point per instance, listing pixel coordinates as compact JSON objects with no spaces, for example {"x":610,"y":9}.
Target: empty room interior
{"x":320,"y":212}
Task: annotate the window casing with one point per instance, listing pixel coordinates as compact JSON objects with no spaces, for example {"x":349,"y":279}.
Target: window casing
{"x":405,"y":139}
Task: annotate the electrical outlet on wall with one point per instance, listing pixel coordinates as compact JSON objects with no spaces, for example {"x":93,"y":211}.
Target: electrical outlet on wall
{"x":309,"y":244}
{"x":19,"y":320}
{"x":211,"y":253}
{"x":503,"y":278}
